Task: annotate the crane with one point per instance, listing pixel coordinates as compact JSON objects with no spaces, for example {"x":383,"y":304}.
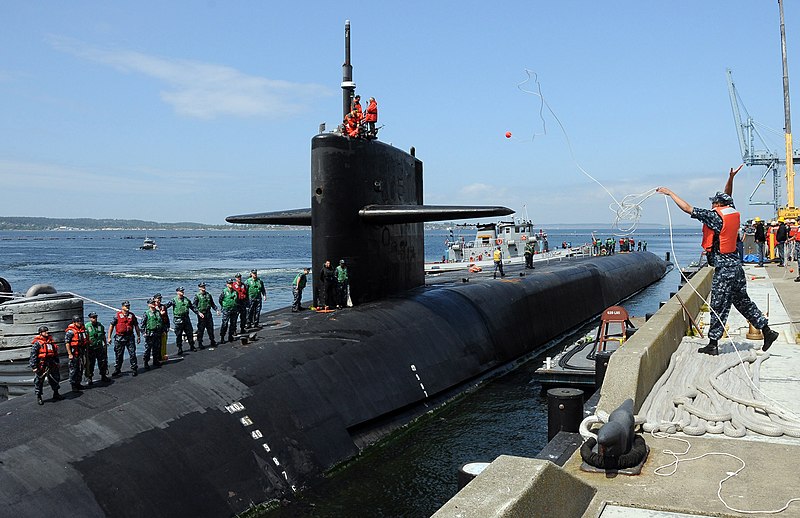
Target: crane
{"x":747,"y":133}
{"x":753,"y":155}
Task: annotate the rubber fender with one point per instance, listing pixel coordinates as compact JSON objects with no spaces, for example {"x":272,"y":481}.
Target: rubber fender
{"x":40,"y":289}
{"x":5,"y":286}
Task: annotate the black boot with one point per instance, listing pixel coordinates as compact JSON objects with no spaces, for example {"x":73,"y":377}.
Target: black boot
{"x":57,"y":396}
{"x":770,"y":336}
{"x":711,"y":348}
{"x":116,"y":374}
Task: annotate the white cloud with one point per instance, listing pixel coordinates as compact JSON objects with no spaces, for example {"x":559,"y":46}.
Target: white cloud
{"x":203,"y":90}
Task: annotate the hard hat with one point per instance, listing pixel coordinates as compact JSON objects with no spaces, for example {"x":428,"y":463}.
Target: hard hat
{"x":201,"y":285}
{"x":42,"y":329}
{"x":757,"y":220}
{"x":780,"y":220}
{"x":92,"y":315}
{"x":125,"y":303}
{"x":77,"y":318}
{"x":238,"y":275}
{"x":180,"y":288}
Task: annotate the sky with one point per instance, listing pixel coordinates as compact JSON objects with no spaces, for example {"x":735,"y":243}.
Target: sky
{"x":197,"y":110}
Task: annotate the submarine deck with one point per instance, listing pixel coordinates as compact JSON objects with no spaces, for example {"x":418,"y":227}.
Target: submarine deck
{"x":513,"y":486}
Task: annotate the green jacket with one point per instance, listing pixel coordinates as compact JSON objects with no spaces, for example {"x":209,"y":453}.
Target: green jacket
{"x":341,"y":274}
{"x":255,"y":288}
{"x":228,"y":298}
{"x":97,"y":335}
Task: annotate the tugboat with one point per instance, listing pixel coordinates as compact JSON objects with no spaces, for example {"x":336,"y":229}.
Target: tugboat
{"x":511,"y":236}
{"x":148,"y":244}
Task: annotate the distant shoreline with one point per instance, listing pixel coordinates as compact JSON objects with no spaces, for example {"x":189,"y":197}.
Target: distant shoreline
{"x":89,"y":224}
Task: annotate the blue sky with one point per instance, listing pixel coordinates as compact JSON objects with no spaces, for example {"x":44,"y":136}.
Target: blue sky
{"x":193,"y":111}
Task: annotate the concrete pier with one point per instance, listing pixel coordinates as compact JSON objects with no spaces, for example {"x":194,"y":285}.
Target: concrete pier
{"x":513,"y":486}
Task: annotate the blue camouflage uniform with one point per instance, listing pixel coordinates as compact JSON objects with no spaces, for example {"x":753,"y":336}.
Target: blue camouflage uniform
{"x":728,"y":286}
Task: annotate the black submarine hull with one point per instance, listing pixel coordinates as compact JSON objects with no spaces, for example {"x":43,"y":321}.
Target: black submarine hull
{"x":224,"y":429}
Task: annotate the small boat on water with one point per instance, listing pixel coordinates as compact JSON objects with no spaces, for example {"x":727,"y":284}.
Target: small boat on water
{"x":148,"y":244}
{"x":510,"y":236}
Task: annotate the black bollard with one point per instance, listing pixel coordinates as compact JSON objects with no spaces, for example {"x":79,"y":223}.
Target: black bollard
{"x":469,"y":471}
{"x":647,"y":316}
{"x":672,"y":294}
{"x":564,"y":410}
{"x":666,"y":257}
{"x":661,"y":304}
{"x":600,"y":366}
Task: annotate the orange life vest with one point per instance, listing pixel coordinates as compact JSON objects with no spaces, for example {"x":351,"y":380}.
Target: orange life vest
{"x":372,"y":112}
{"x":124,"y":323}
{"x":48,"y":348}
{"x":241,"y":290}
{"x":79,"y":339}
{"x":727,"y":236}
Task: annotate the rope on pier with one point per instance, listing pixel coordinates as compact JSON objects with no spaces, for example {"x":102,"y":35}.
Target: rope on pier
{"x":700,"y":394}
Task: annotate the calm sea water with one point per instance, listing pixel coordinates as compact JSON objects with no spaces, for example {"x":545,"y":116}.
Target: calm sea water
{"x":412,"y":473}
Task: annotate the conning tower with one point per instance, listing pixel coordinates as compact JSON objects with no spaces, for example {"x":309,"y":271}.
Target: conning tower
{"x":367,"y":208}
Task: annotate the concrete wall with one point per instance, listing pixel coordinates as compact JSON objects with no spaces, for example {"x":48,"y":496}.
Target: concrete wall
{"x":635,"y":368}
{"x":516,"y":486}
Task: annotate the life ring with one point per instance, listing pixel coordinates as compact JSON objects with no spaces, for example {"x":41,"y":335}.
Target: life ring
{"x":474,"y":269}
{"x":499,"y":241}
{"x":523,"y":237}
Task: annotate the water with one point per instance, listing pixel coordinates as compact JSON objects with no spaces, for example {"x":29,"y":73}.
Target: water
{"x":410,"y":474}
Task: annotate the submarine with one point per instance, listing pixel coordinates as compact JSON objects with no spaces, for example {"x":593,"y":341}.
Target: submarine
{"x":221,"y":430}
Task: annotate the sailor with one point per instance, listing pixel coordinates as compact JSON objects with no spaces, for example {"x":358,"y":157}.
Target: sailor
{"x":241,"y":302}
{"x":498,"y":262}
{"x":180,"y":319}
{"x":165,"y":323}
{"x":44,"y":363}
{"x":98,"y":349}
{"x":153,"y":329}
{"x":781,"y":235}
{"x":355,"y":106}
{"x":797,"y":253}
{"x":327,"y":278}
{"x":256,"y":292}
{"x":77,"y":341}
{"x":297,"y":289}
{"x":341,"y":284}
{"x":228,"y":301}
{"x":122,"y":327}
{"x":351,"y":124}
{"x":371,"y":117}
{"x":529,"y":254}
{"x":204,"y":303}
{"x":728,"y":285}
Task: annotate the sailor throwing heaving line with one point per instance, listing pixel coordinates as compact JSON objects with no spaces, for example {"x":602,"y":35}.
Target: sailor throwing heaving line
{"x":728,"y":286}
